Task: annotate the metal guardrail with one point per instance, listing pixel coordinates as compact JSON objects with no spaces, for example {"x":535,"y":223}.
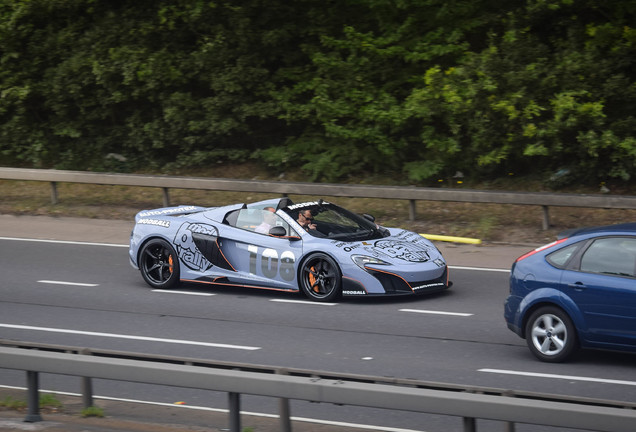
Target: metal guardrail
{"x":412,"y":194}
{"x":470,"y":403}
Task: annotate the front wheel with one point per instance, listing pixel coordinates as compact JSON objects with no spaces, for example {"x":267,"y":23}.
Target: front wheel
{"x":159,"y":264}
{"x":320,"y":278}
{"x":550,"y":334}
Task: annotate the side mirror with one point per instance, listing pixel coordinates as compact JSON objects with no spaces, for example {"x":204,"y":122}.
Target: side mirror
{"x":278,"y":231}
{"x":368,"y":217}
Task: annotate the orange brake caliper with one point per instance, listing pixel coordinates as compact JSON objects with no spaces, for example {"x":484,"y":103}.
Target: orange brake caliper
{"x":312,"y":280}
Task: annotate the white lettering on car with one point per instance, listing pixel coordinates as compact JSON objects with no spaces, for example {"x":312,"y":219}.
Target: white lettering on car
{"x":305,"y":204}
{"x":430,"y":285}
{"x":271,"y":263}
{"x":167,"y":211}
{"x":155,"y":222}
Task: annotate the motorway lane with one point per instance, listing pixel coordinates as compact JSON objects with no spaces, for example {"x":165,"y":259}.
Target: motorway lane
{"x":132,"y":307}
{"x":358,"y":336}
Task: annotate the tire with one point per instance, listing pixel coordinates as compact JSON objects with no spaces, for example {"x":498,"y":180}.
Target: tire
{"x":550,"y":334}
{"x":159,"y":264}
{"x":320,"y":278}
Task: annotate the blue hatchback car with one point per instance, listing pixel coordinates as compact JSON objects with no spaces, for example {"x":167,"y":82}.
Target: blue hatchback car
{"x":579,"y":291}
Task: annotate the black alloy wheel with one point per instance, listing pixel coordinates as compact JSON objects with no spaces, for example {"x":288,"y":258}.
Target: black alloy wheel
{"x":320,"y":278}
{"x":159,"y":264}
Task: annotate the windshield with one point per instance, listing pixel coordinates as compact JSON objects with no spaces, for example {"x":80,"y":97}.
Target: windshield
{"x":331,"y":221}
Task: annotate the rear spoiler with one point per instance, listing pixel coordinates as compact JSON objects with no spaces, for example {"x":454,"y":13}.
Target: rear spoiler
{"x":169,"y":211}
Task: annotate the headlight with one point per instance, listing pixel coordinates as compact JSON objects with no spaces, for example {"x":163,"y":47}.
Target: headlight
{"x":362,"y":260}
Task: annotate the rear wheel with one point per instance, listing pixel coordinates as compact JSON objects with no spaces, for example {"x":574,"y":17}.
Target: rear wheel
{"x":550,"y":334}
{"x":159,"y":264}
{"x":320,"y":278}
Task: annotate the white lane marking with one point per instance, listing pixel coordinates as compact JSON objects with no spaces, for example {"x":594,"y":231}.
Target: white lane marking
{"x":564,"y":377}
{"x":422,"y":311}
{"x":122,"y":336}
{"x":67,"y":283}
{"x":183,"y":292}
{"x":65,"y":242}
{"x":225,"y":411}
{"x":479,"y":269}
{"x":304,"y":302}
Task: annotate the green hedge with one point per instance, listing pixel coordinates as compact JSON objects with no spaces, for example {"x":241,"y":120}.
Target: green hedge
{"x":416,"y":89}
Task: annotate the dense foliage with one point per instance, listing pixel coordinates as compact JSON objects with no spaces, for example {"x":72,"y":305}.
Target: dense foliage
{"x":418,"y":89}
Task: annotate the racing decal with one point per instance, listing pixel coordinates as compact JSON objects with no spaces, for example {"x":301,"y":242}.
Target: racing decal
{"x":403,"y":250}
{"x":352,"y":287}
{"x":406,"y":245}
{"x":155,"y":222}
{"x":429,"y":285}
{"x":271,"y":263}
{"x":167,"y":211}
{"x":306,"y":204}
{"x":348,"y":246}
{"x":186,"y":247}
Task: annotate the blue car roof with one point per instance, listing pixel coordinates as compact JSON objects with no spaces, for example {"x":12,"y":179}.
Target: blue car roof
{"x":629,"y":228}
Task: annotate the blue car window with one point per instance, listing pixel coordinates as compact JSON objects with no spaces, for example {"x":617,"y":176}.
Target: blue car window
{"x":612,"y":255}
{"x":560,"y":258}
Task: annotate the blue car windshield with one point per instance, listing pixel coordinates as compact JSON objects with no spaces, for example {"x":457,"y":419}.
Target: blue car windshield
{"x":334,"y":222}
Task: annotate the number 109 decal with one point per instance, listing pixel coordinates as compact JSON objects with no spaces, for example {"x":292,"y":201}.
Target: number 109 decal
{"x":271,"y":263}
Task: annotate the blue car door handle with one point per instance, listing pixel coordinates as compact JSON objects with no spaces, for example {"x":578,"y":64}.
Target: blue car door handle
{"x":579,"y":286}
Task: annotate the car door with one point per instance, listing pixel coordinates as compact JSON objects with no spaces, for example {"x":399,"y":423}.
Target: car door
{"x":604,"y":287}
{"x":260,"y":259}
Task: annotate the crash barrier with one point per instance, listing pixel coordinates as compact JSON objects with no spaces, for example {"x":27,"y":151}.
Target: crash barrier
{"x":412,"y":194}
{"x":235,"y":379}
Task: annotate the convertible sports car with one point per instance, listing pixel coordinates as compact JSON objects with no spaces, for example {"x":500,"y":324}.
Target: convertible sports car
{"x":262,"y":245}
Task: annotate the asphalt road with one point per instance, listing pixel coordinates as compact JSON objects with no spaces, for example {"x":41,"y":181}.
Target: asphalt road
{"x":67,"y":291}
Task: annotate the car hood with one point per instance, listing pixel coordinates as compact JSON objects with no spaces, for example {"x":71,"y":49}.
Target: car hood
{"x":401,"y":248}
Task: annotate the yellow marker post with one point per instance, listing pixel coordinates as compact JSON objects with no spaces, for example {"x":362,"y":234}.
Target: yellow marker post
{"x":453,"y":239}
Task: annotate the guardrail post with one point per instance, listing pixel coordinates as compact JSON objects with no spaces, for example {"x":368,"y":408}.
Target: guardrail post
{"x":509,"y":426}
{"x":283,"y":410}
{"x":546,"y":217}
{"x":54,"y":193}
{"x":470,"y":425}
{"x":235,"y":411}
{"x":166,"y":197}
{"x":87,"y":385}
{"x":33,"y":399}
{"x":412,"y":210}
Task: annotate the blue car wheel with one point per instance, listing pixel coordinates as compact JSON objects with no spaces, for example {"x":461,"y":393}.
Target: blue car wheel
{"x":550,"y":334}
{"x":320,"y":278}
{"x":159,"y":264}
